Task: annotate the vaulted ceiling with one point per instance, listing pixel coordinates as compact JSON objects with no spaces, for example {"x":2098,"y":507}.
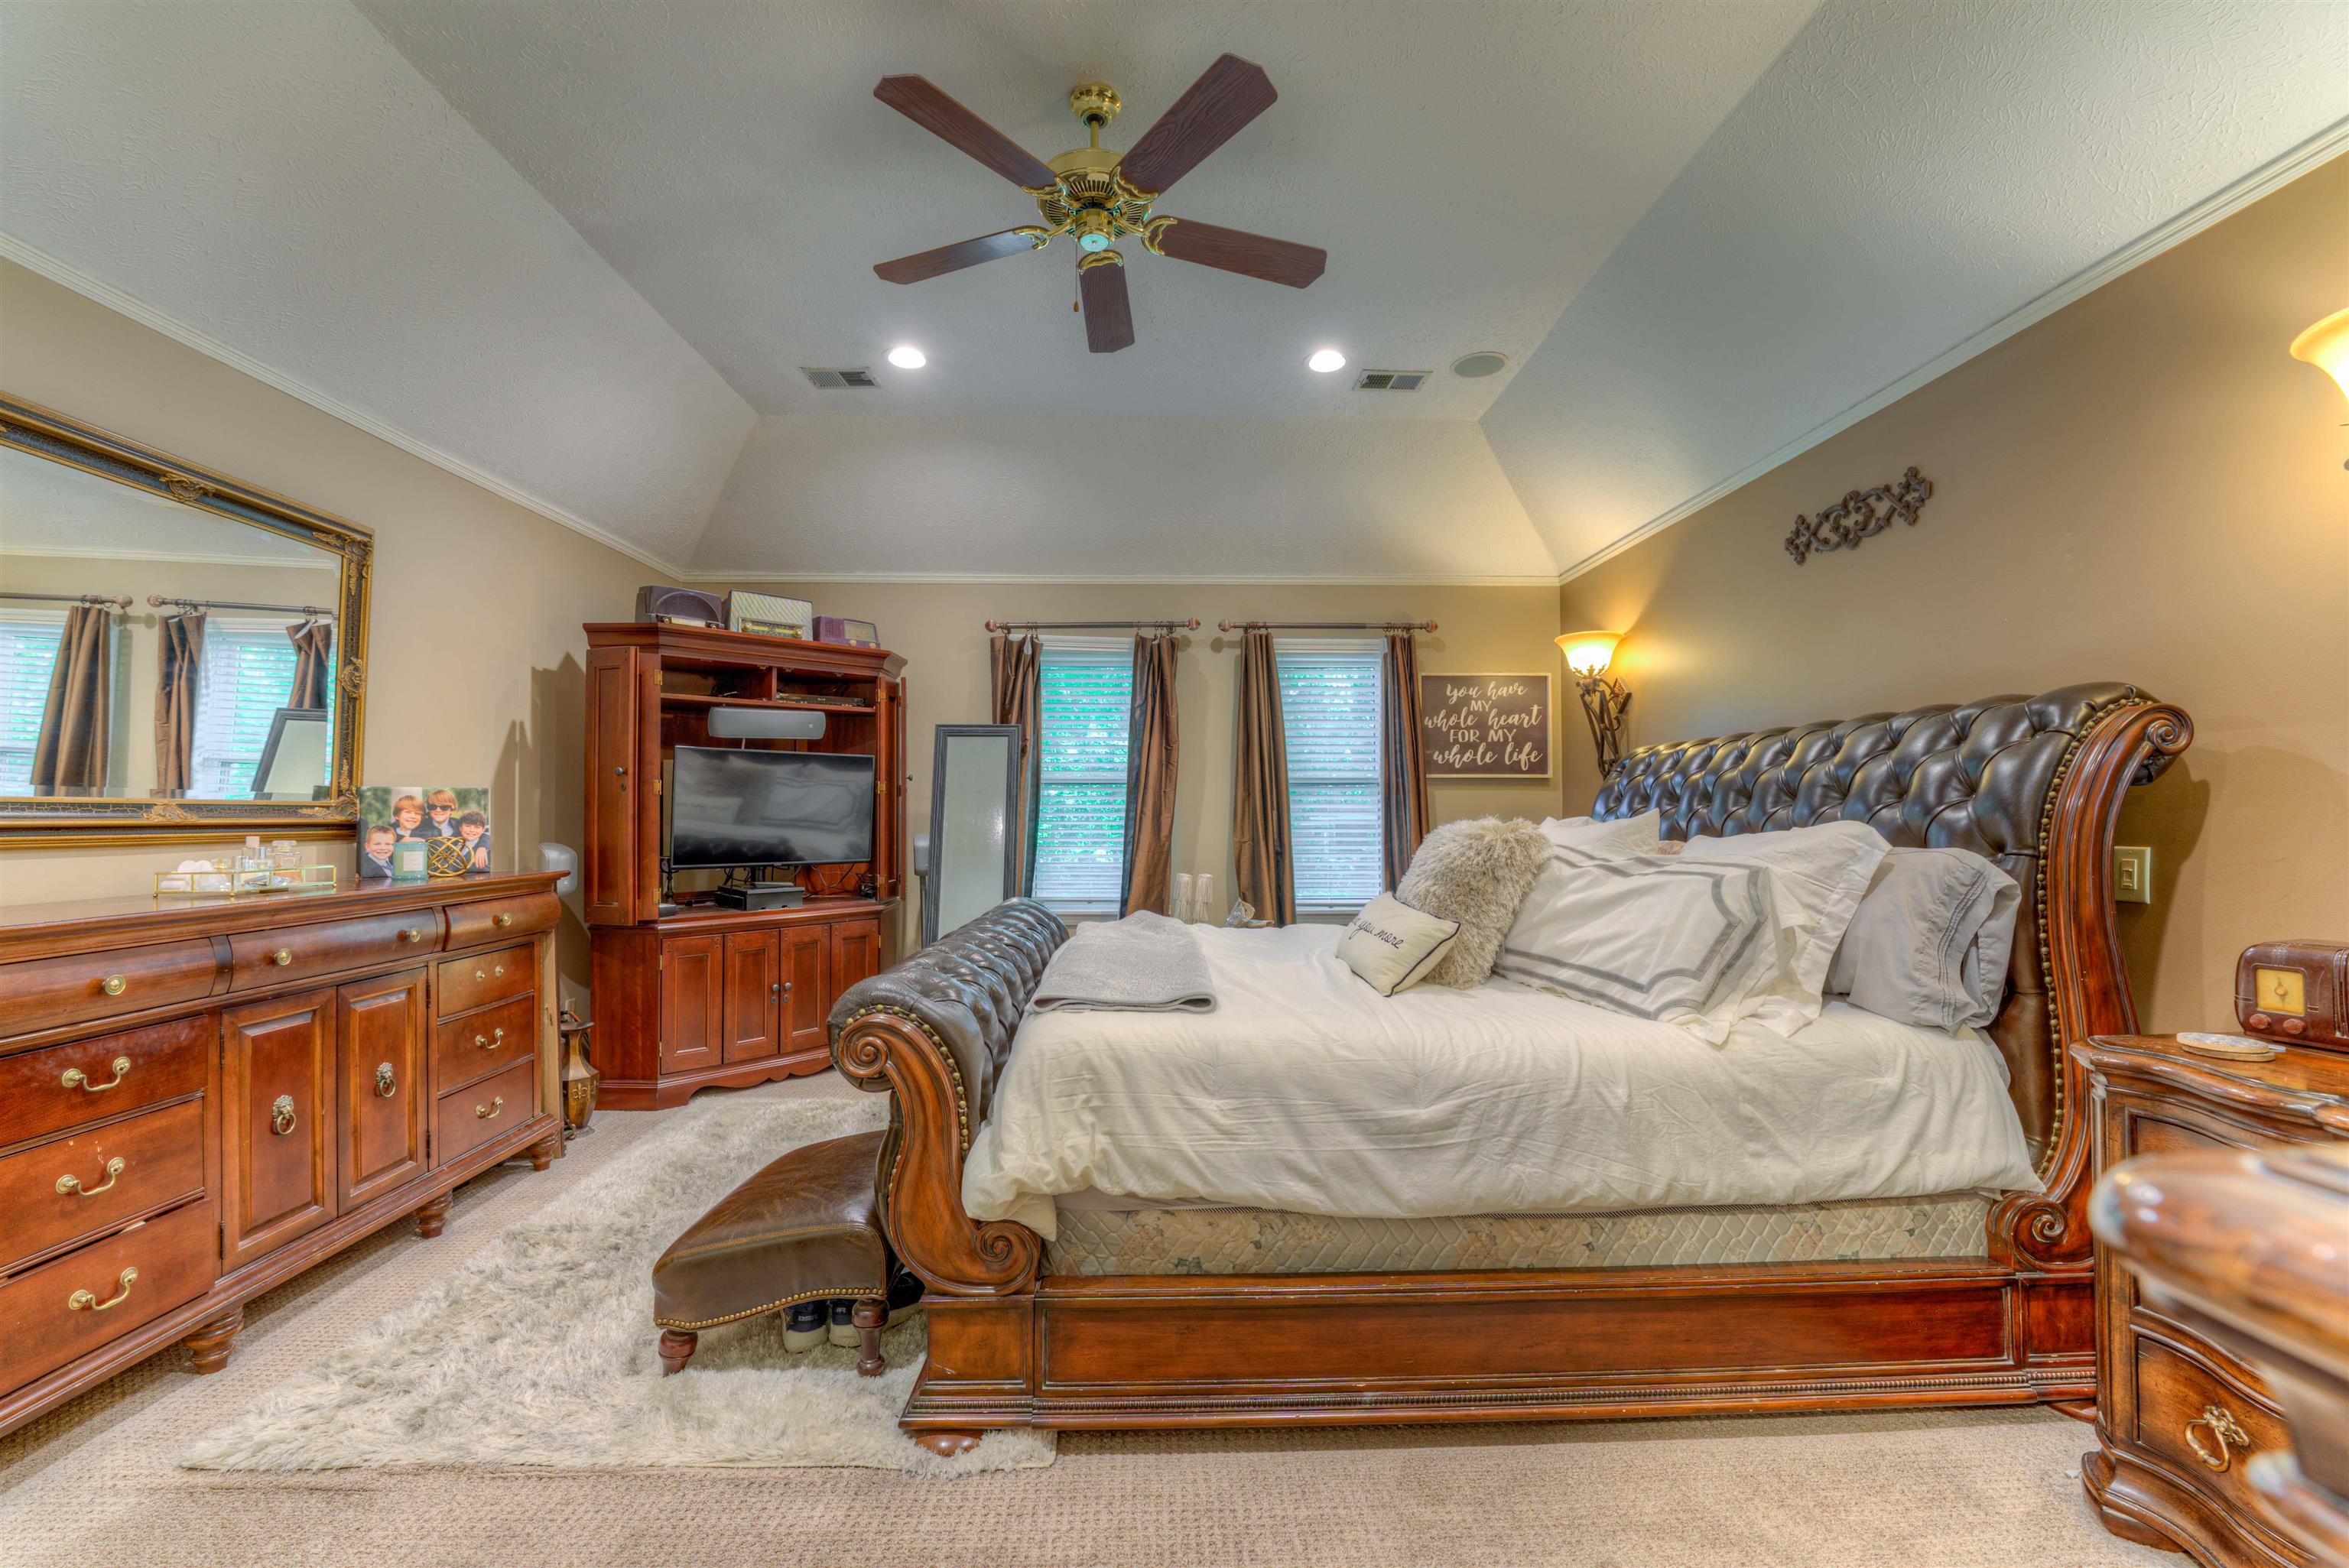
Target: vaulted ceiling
{"x":580,"y":252}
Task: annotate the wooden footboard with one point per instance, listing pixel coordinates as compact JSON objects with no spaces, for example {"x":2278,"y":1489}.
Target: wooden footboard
{"x":1011,"y":1345}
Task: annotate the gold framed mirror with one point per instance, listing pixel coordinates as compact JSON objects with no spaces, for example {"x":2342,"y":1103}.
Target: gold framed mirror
{"x":183,"y":656}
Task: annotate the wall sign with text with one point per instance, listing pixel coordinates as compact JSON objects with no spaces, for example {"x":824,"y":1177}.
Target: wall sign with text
{"x":1486,"y":726}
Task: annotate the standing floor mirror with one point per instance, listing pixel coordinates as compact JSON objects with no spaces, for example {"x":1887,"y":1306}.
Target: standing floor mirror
{"x":973,"y":862}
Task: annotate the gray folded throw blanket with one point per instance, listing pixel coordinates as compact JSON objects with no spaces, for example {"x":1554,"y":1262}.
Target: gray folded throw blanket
{"x":1143,"y":964}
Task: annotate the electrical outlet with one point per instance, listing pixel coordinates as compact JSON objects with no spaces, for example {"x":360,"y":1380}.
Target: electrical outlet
{"x":2132,"y":873}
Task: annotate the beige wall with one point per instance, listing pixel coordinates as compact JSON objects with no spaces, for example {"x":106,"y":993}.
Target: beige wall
{"x":2144,"y":486}
{"x":940,"y":629}
{"x":475,"y":654}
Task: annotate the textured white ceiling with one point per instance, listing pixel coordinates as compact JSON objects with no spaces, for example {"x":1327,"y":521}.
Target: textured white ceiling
{"x":276,"y":178}
{"x":1903,"y":178}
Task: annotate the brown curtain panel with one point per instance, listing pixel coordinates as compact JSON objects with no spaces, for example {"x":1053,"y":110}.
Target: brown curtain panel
{"x":314,"y":645}
{"x":1260,"y":787}
{"x":1402,"y":758}
{"x":70,"y":753}
{"x":1015,"y":675}
{"x":178,"y":664}
{"x":1150,"y":777}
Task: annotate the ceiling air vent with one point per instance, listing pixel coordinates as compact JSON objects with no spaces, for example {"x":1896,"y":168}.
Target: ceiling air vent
{"x":834,"y":380}
{"x":1391,"y":381}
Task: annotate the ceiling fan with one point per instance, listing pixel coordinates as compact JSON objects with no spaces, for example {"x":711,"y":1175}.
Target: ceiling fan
{"x":1099,"y":197}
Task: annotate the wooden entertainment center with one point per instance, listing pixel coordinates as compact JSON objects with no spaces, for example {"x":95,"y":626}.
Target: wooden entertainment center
{"x":693,"y":994}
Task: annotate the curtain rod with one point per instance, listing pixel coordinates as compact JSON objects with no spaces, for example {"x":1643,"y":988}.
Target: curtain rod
{"x":313,"y":611}
{"x":1189,"y":625}
{"x":111,"y":603}
{"x":1325,"y":625}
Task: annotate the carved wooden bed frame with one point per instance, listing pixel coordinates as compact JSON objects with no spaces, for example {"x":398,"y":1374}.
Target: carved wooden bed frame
{"x":1010,"y":1346}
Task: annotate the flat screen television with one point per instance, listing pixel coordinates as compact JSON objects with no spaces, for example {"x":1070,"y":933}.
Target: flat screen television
{"x":747,"y":808}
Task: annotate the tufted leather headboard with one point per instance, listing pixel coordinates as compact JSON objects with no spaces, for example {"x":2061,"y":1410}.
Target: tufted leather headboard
{"x":1981,"y":776}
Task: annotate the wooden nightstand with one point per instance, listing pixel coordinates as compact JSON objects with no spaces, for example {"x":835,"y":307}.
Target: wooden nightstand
{"x":2178,"y":1417}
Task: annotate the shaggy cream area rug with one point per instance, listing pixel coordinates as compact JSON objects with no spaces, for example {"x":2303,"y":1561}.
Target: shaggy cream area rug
{"x":539,"y":1351}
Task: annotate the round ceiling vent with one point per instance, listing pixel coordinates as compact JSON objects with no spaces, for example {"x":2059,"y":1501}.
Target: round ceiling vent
{"x":1484,"y":362}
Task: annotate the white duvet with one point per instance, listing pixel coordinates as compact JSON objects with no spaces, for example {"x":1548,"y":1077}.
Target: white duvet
{"x":1306,"y":1090}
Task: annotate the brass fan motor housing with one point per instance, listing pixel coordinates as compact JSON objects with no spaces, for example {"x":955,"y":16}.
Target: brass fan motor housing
{"x":1092,"y":201}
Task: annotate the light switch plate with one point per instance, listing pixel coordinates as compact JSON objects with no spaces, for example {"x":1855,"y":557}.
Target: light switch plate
{"x":2132,"y":873}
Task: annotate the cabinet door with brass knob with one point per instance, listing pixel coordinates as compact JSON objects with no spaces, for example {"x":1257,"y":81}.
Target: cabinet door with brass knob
{"x":754,"y":995}
{"x":809,"y":986}
{"x":277,"y":1072}
{"x":379,"y":1056}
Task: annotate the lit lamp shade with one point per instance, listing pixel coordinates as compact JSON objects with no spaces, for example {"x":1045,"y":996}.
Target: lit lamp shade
{"x":1588,"y":654}
{"x":2326,"y":346}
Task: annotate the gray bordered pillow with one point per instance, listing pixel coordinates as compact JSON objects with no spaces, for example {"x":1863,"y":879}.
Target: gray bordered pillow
{"x":1393,"y":947}
{"x":1929,"y":944}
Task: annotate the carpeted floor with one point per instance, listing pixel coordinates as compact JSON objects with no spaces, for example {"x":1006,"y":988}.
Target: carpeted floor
{"x":95,"y":1481}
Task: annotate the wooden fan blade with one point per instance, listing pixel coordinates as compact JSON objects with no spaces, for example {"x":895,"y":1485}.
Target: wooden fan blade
{"x":1109,"y":314}
{"x":1211,"y":111}
{"x":927,"y":105}
{"x":1237,"y":251}
{"x":952,"y":258}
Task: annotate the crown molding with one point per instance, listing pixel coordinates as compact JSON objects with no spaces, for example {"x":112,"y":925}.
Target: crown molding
{"x":121,"y":303}
{"x":748,"y":577}
{"x":2223,"y":203}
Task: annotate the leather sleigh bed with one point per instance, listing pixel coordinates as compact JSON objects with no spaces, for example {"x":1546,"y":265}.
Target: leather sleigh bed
{"x":1975,"y":1300}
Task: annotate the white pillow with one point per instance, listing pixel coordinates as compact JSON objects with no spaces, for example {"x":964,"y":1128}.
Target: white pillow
{"x":1393,"y":945}
{"x":1651,"y":936}
{"x":1623,"y":836}
{"x":1929,"y":942}
{"x":1818,"y":875}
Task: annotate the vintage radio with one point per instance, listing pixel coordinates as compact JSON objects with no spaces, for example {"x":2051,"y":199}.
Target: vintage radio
{"x":840,"y":629}
{"x":656,"y":602}
{"x":2296,"y":991}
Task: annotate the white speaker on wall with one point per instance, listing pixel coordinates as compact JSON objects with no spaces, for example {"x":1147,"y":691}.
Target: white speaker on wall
{"x":765,"y":724}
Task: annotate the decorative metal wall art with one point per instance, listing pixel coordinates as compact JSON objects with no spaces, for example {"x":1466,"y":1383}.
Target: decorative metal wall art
{"x":1860,"y":513}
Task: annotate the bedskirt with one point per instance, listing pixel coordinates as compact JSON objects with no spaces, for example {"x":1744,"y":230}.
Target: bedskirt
{"x":1203,"y":1241}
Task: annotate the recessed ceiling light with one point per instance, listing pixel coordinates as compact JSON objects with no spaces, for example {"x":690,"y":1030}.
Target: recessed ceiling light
{"x":1484,"y":362}
{"x":906,"y":356}
{"x":1325,"y":360}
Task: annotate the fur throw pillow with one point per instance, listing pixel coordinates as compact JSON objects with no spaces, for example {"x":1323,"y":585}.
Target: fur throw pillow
{"x":1476,"y":874}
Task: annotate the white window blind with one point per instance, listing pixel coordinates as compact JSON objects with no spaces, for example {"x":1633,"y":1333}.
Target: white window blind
{"x":29,"y":653}
{"x":1087,"y":703}
{"x":1330,"y":711}
{"x":246,"y":677}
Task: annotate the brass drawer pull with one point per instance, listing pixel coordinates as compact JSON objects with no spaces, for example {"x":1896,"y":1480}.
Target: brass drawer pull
{"x":87,"y":1301}
{"x":479,"y":975}
{"x":281,"y":1114}
{"x":281,"y":957}
{"x":67,"y":1185}
{"x":77,"y":1078}
{"x":2224,"y":1430}
{"x":412,"y":933}
{"x":490,"y":1041}
{"x":114,"y":985}
{"x":490,"y":1112}
{"x":384,"y":1083}
{"x":504,"y":918}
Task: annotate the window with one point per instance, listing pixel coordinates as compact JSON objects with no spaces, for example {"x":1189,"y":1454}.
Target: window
{"x":1330,"y":714}
{"x":247,"y":675}
{"x":1087,"y":703}
{"x":28,"y":652}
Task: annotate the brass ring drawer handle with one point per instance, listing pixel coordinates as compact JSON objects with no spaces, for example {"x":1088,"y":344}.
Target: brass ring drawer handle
{"x":67,"y":1185}
{"x":490,"y":1041}
{"x":281,"y":1114}
{"x":385,"y":1085}
{"x":281,"y":957}
{"x":77,"y":1078}
{"x":412,"y":933}
{"x":114,"y":985}
{"x":2224,"y":1430}
{"x":87,"y":1301}
{"x":490,"y":1112}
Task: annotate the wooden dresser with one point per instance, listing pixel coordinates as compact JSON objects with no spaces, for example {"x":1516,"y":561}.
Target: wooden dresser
{"x":2180,"y":1418}
{"x":200,"y":1099}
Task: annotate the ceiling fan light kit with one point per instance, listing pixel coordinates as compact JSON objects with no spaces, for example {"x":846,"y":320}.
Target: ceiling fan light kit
{"x":1097,"y":196}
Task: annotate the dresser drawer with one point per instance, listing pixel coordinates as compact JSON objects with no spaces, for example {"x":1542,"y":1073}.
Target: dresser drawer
{"x":44,"y":993}
{"x":461,"y":984}
{"x":50,"y":1314}
{"x":471,"y":1115}
{"x":63,"y":1086}
{"x":57,"y":1193}
{"x":298,"y":952}
{"x":495,"y":919}
{"x":484,"y":1041}
{"x":2202,"y":1425}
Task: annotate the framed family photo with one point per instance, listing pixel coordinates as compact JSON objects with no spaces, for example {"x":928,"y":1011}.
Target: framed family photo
{"x":410,"y":832}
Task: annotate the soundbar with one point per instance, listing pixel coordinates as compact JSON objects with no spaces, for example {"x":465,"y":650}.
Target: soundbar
{"x":765,"y":724}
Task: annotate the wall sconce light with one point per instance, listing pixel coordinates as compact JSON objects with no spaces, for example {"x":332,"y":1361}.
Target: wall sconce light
{"x":1588,"y":654}
{"x":2326,"y":346}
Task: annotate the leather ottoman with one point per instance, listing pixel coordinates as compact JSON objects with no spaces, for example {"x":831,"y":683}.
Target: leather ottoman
{"x":802,"y":1229}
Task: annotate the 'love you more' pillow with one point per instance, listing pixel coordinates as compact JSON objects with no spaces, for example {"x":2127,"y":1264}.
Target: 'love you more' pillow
{"x":1391,"y":946}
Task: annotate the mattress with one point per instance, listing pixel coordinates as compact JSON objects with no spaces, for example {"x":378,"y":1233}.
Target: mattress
{"x":1305,"y":1092}
{"x":1196,"y":1241}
